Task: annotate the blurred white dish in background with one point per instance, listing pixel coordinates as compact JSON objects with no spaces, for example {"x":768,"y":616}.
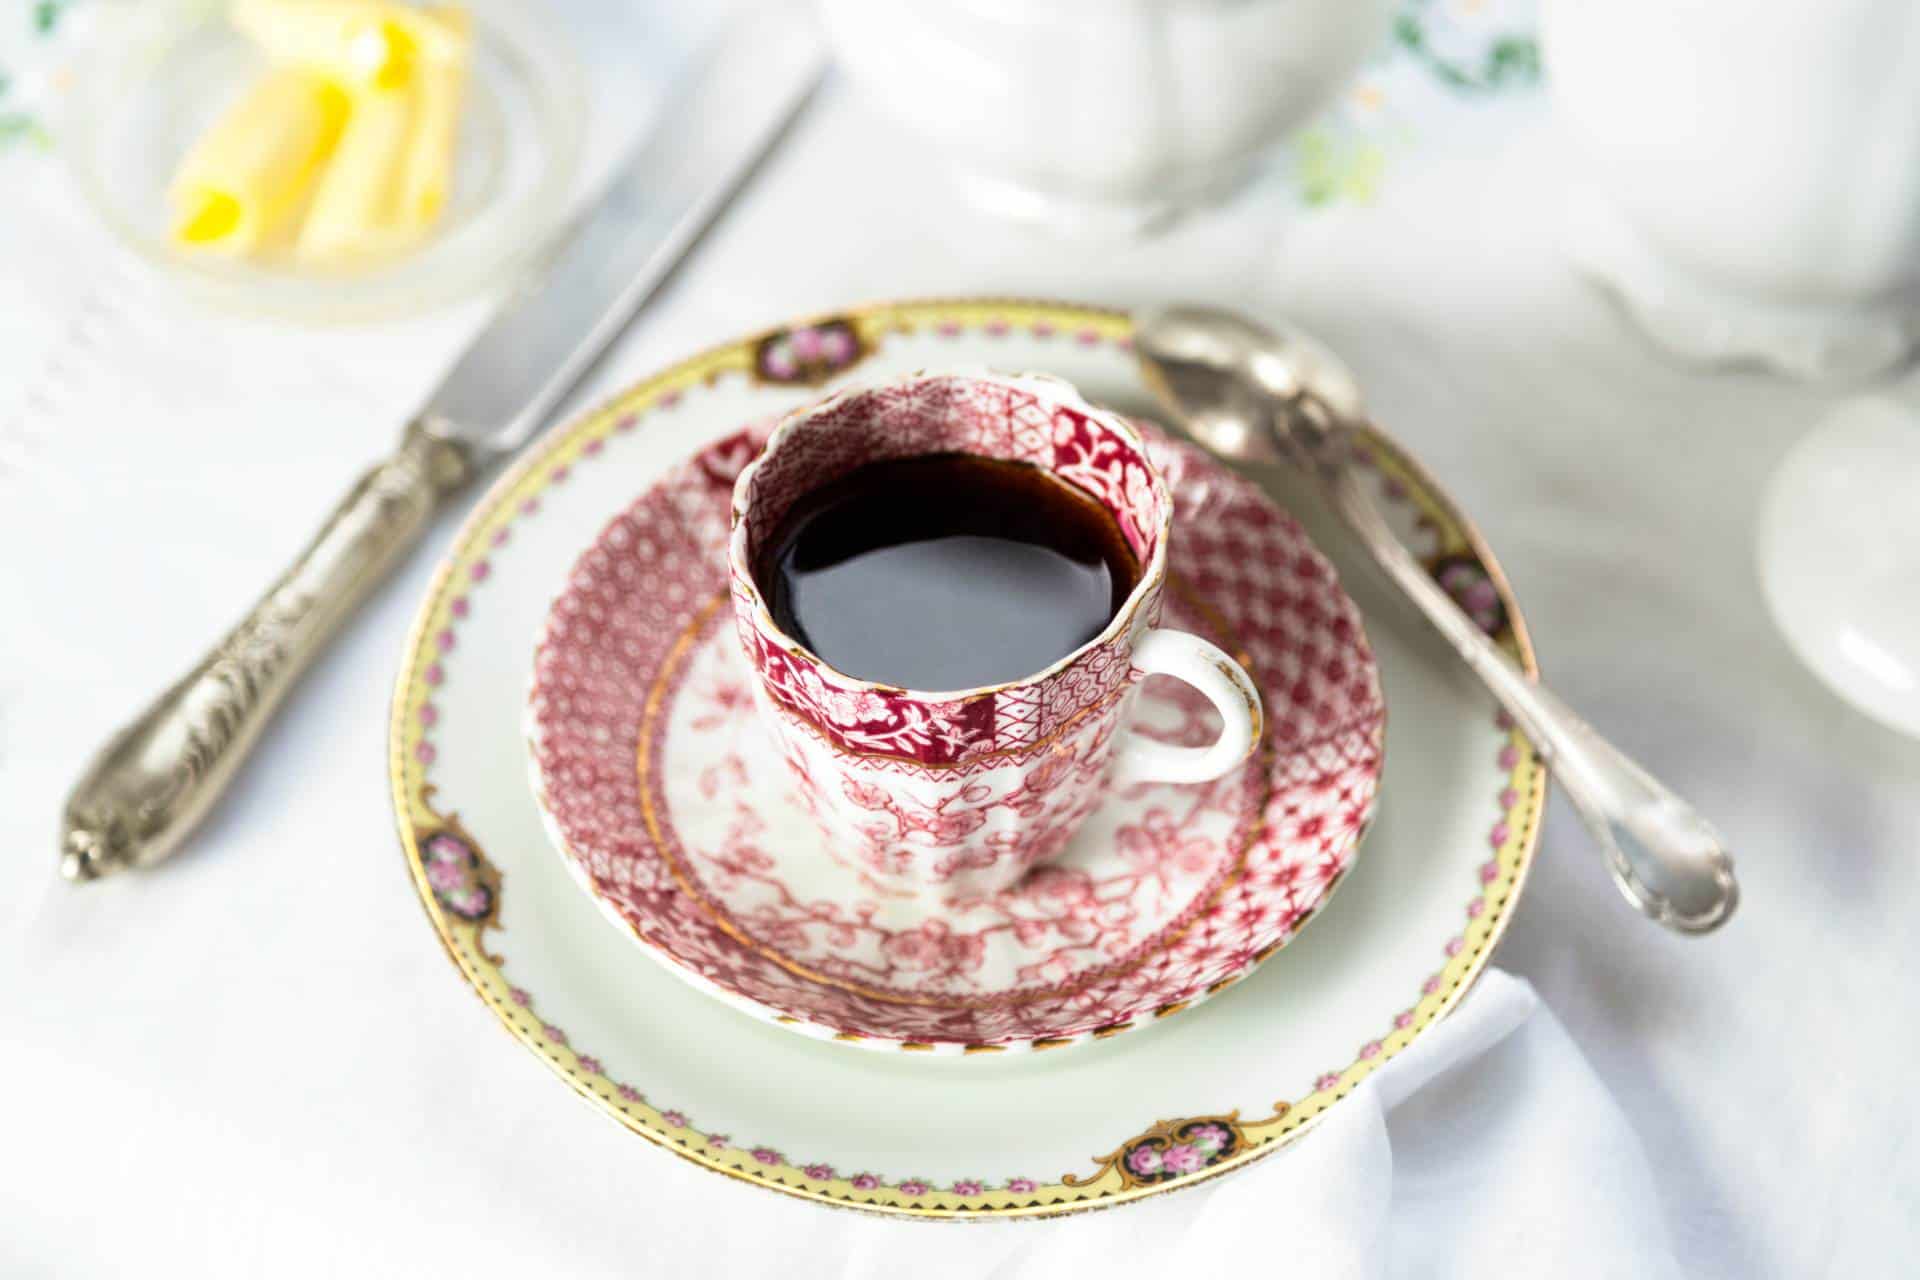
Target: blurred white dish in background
{"x":1839,"y":553}
{"x":1748,"y":176}
{"x":1108,"y":113}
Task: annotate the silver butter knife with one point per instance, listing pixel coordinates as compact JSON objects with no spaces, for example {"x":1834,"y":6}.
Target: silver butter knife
{"x":158,"y":777}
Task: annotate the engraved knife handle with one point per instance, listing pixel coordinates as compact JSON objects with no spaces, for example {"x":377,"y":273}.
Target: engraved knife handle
{"x":158,"y":777}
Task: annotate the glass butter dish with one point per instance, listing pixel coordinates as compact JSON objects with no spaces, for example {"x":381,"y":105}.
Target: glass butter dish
{"x":154,"y":79}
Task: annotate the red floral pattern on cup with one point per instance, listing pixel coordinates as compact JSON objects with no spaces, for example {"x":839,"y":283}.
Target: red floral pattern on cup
{"x":1169,"y":894}
{"x":960,"y":793}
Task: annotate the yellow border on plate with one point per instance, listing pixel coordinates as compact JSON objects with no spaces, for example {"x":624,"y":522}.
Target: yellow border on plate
{"x":1112,"y":1184}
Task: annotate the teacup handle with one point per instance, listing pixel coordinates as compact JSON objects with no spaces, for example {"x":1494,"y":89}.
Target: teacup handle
{"x":1224,"y":683}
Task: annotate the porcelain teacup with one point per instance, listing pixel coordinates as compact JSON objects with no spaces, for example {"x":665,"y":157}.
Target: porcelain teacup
{"x":960,"y":792}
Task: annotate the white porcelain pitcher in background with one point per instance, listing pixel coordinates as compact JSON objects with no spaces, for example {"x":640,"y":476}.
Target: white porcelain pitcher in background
{"x":1119,"y":112}
{"x":1747,"y":176}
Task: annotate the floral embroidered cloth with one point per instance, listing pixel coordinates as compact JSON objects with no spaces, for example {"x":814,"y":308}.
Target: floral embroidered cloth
{"x":35,"y":39}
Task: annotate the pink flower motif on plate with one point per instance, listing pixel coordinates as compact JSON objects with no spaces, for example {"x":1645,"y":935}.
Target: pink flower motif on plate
{"x":454,"y":874}
{"x":1466,"y":580}
{"x":809,"y":353}
{"x":837,"y":346}
{"x":966,"y":1187}
{"x":1210,"y":1139}
{"x":864,"y":1182}
{"x":1022,"y":1186}
{"x":766,"y":1155}
{"x":1183,"y":1159}
{"x":819,"y":1172}
{"x":914,"y":1187}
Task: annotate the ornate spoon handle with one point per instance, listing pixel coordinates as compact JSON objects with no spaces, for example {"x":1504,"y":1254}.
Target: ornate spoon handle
{"x":1666,"y":859}
{"x":158,"y":777}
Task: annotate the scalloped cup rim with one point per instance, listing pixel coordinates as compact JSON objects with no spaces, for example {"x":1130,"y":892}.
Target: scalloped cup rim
{"x":1057,"y":389}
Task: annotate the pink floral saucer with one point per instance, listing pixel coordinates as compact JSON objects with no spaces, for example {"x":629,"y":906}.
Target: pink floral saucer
{"x":671,"y":804}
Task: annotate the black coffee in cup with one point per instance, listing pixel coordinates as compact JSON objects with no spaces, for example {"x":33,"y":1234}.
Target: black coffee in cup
{"x":945,"y":572}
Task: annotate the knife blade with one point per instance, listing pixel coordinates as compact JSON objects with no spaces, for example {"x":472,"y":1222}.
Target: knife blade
{"x":671,"y":187}
{"x":158,"y":777}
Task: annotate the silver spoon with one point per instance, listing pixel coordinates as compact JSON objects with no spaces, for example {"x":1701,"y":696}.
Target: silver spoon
{"x":1252,"y":395}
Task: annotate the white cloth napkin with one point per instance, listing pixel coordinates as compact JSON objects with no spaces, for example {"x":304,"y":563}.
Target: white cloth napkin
{"x":1489,"y":1147}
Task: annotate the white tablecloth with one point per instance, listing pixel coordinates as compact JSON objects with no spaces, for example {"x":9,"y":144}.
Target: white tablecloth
{"x":257,"y":1061}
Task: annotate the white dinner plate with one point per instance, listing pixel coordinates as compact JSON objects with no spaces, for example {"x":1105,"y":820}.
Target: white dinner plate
{"x":992,"y":1135}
